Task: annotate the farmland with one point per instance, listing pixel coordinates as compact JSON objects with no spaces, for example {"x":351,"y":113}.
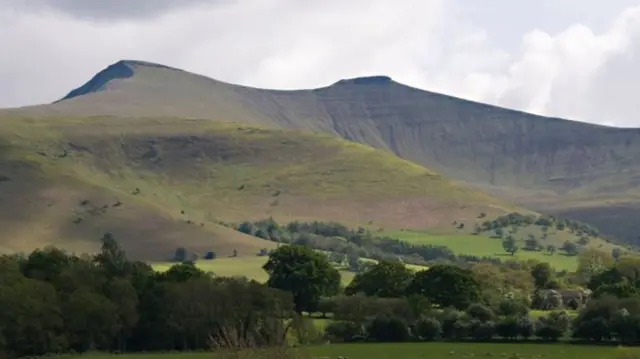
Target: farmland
{"x":423,"y":350}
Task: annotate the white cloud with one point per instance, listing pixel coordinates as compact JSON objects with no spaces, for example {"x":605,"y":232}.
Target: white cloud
{"x":575,"y":69}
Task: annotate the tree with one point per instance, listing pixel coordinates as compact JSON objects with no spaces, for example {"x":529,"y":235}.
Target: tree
{"x":353,"y":259}
{"x":308,"y":275}
{"x":385,"y":279}
{"x":446,"y":286}
{"x":592,"y":262}
{"x":570,"y":248}
{"x":499,"y":232}
{"x":509,"y":245}
{"x":91,"y":319}
{"x":112,"y":258}
{"x":123,"y":295}
{"x":532,"y":243}
{"x":542,"y":274}
{"x":337,"y":257}
{"x":616,"y":253}
{"x":180,"y":255}
{"x":551,"y":249}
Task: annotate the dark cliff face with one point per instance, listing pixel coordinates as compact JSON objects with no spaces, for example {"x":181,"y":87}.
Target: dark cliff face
{"x":119,"y":70}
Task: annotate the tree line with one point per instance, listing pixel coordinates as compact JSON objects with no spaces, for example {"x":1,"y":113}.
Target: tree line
{"x":353,"y":243}
{"x":55,"y":302}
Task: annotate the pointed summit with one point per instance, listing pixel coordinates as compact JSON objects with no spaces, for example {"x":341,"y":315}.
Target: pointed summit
{"x":120,"y":70}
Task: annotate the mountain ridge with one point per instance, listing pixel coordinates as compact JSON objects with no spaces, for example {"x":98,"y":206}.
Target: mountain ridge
{"x":560,"y":166}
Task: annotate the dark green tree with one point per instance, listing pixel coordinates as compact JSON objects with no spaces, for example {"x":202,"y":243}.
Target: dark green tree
{"x":509,"y":245}
{"x":308,"y":275}
{"x":542,"y":274}
{"x":385,"y":279}
{"x":446,"y":286}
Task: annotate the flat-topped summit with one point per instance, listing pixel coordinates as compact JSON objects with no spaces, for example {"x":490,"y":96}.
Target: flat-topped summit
{"x":366,"y":80}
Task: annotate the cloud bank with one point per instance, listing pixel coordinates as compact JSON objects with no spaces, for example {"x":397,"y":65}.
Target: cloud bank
{"x":572,"y":69}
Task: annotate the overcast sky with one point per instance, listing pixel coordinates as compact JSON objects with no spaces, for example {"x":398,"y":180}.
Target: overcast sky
{"x":570,"y":58}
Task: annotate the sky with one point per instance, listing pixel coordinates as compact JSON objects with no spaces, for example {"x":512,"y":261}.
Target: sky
{"x":577,"y":59}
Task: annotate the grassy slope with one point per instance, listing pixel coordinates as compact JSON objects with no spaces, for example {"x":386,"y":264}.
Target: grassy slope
{"x":576,"y":169}
{"x":192,"y":173}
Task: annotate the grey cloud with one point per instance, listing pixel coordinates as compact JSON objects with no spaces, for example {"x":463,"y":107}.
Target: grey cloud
{"x":108,"y":9}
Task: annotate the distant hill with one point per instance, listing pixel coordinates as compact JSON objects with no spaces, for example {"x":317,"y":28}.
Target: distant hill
{"x":158,"y":184}
{"x":583,"y":171}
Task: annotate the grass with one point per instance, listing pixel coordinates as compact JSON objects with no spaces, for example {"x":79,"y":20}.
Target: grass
{"x":423,"y":350}
{"x":175,"y":178}
{"x":484,"y":246}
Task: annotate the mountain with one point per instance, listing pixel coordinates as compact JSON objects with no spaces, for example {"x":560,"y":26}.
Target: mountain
{"x":578,"y":170}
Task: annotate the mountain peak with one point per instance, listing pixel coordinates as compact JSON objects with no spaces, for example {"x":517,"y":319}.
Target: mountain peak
{"x":366,"y":80}
{"x":122,"y":69}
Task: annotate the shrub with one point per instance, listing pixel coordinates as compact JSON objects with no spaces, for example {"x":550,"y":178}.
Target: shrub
{"x":482,"y":330}
{"x":428,"y":328}
{"x":344,"y":332}
{"x":512,"y":307}
{"x":480,"y":312}
{"x":508,"y":328}
{"x":388,"y":329}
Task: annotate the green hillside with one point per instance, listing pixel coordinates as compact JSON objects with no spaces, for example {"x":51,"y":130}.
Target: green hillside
{"x":578,"y":170}
{"x":158,"y":184}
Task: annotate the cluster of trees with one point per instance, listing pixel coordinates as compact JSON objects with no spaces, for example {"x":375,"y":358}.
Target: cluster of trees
{"x":54,"y":302}
{"x":362,"y":318}
{"x":389,"y":302}
{"x":549,"y":222}
{"x":506,"y":227}
{"x":352,"y":243}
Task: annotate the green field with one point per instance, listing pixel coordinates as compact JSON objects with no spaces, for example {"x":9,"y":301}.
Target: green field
{"x":423,"y":350}
{"x":482,"y":245}
{"x":250,"y":267}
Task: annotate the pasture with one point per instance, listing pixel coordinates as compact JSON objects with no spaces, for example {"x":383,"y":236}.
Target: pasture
{"x":420,"y":351}
{"x":482,"y":246}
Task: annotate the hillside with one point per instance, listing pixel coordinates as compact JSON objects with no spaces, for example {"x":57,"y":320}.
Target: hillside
{"x":158,"y":184}
{"x":583,"y":171}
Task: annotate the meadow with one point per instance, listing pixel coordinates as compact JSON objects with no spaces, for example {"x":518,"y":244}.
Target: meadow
{"x":424,"y":350}
{"x":484,"y":246}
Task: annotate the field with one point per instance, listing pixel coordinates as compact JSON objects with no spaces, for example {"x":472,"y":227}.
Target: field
{"x":250,"y":267}
{"x":484,"y":246}
{"x":422,"y":351}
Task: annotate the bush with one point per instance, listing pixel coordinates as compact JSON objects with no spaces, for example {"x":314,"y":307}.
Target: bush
{"x":512,"y":307}
{"x":508,"y":328}
{"x":428,"y":328}
{"x":482,"y":330}
{"x":305,"y":330}
{"x":344,"y":332}
{"x":388,"y":329}
{"x":448,"y":321}
{"x":526,"y":327}
{"x":480,"y":312}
